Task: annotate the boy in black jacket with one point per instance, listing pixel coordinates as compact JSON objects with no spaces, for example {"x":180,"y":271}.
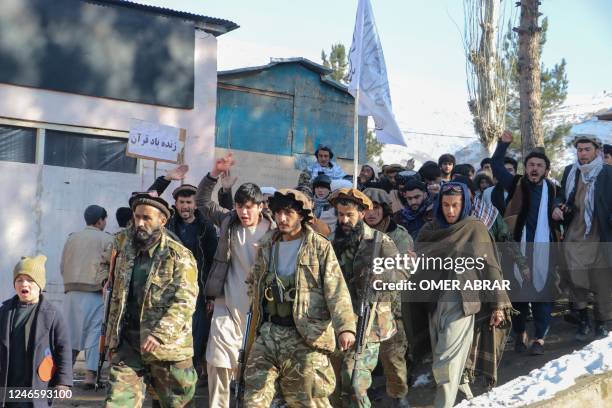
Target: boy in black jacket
{"x":35,"y":350}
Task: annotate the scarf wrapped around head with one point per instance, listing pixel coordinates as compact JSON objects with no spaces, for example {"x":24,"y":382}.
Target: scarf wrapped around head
{"x":588,"y":173}
{"x":407,"y":215}
{"x":465,"y":210}
{"x":320,"y":205}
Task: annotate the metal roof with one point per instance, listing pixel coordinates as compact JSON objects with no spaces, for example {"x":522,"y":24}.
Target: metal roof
{"x":212,"y":25}
{"x":311,"y":65}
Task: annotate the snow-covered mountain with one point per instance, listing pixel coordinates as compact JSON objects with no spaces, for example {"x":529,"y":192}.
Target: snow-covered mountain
{"x":578,"y":111}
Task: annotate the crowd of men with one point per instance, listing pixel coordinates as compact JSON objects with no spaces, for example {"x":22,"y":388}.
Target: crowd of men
{"x":267,"y":293}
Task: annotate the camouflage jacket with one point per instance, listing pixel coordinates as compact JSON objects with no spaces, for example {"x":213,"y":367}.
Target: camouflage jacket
{"x":383,"y":325}
{"x":400,"y":237}
{"x":322,"y":307}
{"x":170,"y":297}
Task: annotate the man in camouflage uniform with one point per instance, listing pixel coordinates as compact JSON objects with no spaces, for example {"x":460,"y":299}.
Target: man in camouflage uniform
{"x":300,"y":305}
{"x":356,"y":245}
{"x":392,"y":352}
{"x":149,"y":324}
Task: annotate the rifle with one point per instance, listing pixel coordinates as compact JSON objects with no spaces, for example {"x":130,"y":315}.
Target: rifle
{"x":239,"y":381}
{"x":103,"y":347}
{"x":364,"y":322}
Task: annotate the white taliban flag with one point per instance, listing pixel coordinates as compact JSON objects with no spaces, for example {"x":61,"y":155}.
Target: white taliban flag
{"x":368,"y":76}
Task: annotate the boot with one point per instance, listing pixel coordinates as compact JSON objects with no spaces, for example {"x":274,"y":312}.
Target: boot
{"x":584,"y":328}
{"x":602,"y":329}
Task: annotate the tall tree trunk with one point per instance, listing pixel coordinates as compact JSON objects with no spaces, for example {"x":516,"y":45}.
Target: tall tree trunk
{"x":529,"y":73}
{"x":488,"y":92}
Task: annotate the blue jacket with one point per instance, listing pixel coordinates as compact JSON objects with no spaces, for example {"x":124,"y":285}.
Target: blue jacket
{"x":51,"y":337}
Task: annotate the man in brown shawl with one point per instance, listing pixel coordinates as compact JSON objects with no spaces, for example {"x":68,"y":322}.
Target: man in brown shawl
{"x":454,"y":314}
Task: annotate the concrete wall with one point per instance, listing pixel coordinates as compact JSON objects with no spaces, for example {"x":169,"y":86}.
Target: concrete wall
{"x":593,"y":391}
{"x":43,"y":204}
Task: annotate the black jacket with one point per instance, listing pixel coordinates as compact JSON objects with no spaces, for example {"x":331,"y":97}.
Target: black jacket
{"x":207,"y":243}
{"x":207,"y":235}
{"x":50,"y":336}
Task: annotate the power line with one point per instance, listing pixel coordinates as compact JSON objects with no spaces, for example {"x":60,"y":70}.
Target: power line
{"x":437,"y":134}
{"x":414,"y":132}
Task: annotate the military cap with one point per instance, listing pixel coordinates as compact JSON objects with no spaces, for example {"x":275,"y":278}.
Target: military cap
{"x":353,"y":195}
{"x":377,"y":195}
{"x":296,"y":196}
{"x":185,"y":187}
{"x":147,"y":199}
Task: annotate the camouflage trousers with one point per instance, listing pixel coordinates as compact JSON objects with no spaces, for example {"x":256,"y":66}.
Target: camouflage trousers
{"x":305,"y":376}
{"x":174,"y":383}
{"x":393,"y":359}
{"x":346,"y":395}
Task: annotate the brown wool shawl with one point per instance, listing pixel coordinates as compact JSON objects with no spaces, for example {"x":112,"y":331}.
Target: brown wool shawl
{"x":470,"y":235}
{"x":467,"y":238}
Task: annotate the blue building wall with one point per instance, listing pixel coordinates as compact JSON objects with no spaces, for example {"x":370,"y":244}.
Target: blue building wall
{"x":285,"y":109}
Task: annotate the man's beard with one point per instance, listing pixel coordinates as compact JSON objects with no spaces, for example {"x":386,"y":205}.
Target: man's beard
{"x":185,"y":215}
{"x":143,"y":239}
{"x":345,"y":240}
{"x":538,"y":181}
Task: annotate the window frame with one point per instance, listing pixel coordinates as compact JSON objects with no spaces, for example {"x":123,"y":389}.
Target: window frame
{"x":42,"y":127}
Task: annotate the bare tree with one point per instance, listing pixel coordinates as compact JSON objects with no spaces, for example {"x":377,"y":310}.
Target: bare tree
{"x":528,"y":65}
{"x":485,"y":27}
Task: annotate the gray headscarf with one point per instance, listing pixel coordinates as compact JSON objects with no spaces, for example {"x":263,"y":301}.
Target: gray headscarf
{"x":588,"y":173}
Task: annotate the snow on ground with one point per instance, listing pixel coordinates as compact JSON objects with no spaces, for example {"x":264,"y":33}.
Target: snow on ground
{"x":556,"y":375}
{"x":422,"y":380}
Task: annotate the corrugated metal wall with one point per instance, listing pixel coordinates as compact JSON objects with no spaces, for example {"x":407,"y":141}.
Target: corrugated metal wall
{"x":285,"y":110}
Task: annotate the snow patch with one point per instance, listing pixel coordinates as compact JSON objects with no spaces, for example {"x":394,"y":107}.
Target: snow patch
{"x":422,"y":380}
{"x":578,"y":111}
{"x":543,"y":383}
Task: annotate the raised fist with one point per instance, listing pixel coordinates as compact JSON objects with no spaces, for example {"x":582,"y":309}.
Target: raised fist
{"x":222,"y":165}
{"x":506,"y":137}
{"x":177,"y":173}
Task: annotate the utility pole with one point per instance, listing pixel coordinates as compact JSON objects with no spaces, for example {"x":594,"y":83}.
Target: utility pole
{"x":532,"y":133}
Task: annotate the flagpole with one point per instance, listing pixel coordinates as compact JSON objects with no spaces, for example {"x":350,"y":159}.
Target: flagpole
{"x":356,"y":139}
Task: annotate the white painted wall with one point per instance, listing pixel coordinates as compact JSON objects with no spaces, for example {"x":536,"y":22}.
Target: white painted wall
{"x":43,"y":204}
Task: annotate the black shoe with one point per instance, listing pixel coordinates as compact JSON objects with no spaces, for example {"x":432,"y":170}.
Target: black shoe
{"x":572,"y":317}
{"x":584,"y":332}
{"x":601,"y":330}
{"x":519,"y":345}
{"x":377,"y":394}
{"x":536,"y":349}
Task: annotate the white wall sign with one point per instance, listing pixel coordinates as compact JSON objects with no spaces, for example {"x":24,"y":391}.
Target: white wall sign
{"x":149,"y":140}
